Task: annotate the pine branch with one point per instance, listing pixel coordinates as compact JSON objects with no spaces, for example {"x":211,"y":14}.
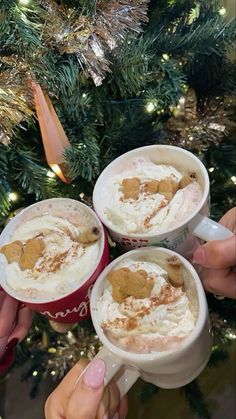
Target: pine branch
{"x":83,"y":158}
{"x":31,"y":176}
{"x":19,"y":31}
{"x":208,"y":37}
{"x":5,"y":204}
{"x":130,"y":67}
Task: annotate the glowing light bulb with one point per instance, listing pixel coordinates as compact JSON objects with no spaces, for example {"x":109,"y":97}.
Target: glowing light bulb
{"x":233,"y":178}
{"x":151,"y":106}
{"x":24,"y":2}
{"x":50,"y":174}
{"x":165,"y":57}
{"x":13,"y":196}
{"x":53,"y":372}
{"x":35,"y":373}
{"x":84,"y":95}
{"x":211,"y":169}
{"x":222,"y":11}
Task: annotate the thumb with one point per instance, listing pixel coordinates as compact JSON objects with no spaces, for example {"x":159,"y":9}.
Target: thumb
{"x":88,"y":392}
{"x":216,"y":254}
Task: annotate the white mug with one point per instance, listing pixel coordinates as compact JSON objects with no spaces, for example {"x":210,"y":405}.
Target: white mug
{"x":167,"y":369}
{"x":183,"y":237}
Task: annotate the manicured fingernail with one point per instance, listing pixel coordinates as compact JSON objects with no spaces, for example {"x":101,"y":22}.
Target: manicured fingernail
{"x":199,"y":256}
{"x":105,"y":416}
{"x":12,"y":344}
{"x":116,"y":416}
{"x":94,"y":374}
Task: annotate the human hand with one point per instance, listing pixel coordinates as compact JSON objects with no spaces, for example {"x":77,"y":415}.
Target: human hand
{"x":15,"y":321}
{"x":81,"y":395}
{"x":218,"y":257}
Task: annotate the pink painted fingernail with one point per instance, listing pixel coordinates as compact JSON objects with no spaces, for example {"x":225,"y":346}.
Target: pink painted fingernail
{"x":116,"y":416}
{"x":199,"y":256}
{"x":105,"y":416}
{"x":94,"y":374}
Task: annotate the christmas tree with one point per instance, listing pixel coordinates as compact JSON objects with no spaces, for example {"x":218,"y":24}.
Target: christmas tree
{"x":120,"y":74}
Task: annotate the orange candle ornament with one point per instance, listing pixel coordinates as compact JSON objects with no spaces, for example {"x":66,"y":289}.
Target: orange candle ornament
{"x":53,"y":135}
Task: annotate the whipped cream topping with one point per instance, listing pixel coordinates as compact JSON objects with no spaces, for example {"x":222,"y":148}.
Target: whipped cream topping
{"x":157,"y":323}
{"x":63,"y":264}
{"x":150,"y":212}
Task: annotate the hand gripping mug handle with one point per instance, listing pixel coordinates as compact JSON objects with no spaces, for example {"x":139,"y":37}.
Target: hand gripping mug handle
{"x":206,"y":229}
{"x":124,"y":376}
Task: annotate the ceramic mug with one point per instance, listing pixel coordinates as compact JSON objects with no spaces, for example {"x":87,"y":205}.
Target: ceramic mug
{"x":183,"y":237}
{"x":74,"y":306}
{"x":171,"y":368}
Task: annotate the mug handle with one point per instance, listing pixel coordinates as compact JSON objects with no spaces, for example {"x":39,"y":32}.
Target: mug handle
{"x":206,"y":229}
{"x":124,"y":376}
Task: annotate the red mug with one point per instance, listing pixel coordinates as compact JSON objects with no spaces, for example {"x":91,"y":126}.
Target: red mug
{"x":74,"y":306}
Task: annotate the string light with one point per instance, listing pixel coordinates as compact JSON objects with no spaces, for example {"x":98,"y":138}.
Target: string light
{"x":233,"y":178}
{"x":151,"y":106}
{"x":165,"y":57}
{"x":52,"y":350}
{"x":51,"y":174}
{"x":222,"y":11}
{"x":53,"y":372}
{"x":35,"y":373}
{"x":211,"y":169}
{"x":230,"y":334}
{"x":24,"y":2}
{"x":13,"y":196}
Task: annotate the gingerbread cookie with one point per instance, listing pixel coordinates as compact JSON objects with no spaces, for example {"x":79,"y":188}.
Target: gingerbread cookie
{"x":175,"y":271}
{"x":12,"y":251}
{"x":151,"y":187}
{"x":131,"y":188}
{"x":32,"y":250}
{"x":168,"y":187}
{"x":126,"y":283}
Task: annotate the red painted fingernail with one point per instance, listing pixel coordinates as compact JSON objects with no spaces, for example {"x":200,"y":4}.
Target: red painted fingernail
{"x":13,"y":342}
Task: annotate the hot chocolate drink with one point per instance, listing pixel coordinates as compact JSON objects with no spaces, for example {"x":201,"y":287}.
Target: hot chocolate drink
{"x":145,"y":307}
{"x":149,"y":197}
{"x":50,"y":254}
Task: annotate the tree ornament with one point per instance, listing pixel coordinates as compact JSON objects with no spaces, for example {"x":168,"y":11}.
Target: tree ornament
{"x":196,"y":126}
{"x":54,"y":138}
{"x":92,"y":39}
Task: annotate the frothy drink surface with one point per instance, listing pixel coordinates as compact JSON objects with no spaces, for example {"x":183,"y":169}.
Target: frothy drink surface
{"x":62,"y":260}
{"x":160,"y":320}
{"x":149,"y":197}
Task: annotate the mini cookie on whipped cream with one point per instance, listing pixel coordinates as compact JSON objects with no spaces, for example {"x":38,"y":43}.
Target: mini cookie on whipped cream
{"x":145,"y":308}
{"x":149,"y":197}
{"x":49,"y":256}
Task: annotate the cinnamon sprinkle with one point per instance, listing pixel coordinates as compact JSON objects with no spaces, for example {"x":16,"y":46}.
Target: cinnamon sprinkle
{"x":168,"y":295}
{"x":147,"y":219}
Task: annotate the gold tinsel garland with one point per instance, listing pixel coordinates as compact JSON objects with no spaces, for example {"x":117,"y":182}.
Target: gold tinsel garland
{"x":89,"y":39}
{"x":15,"y":97}
{"x":92,"y":39}
{"x":196,"y":126}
